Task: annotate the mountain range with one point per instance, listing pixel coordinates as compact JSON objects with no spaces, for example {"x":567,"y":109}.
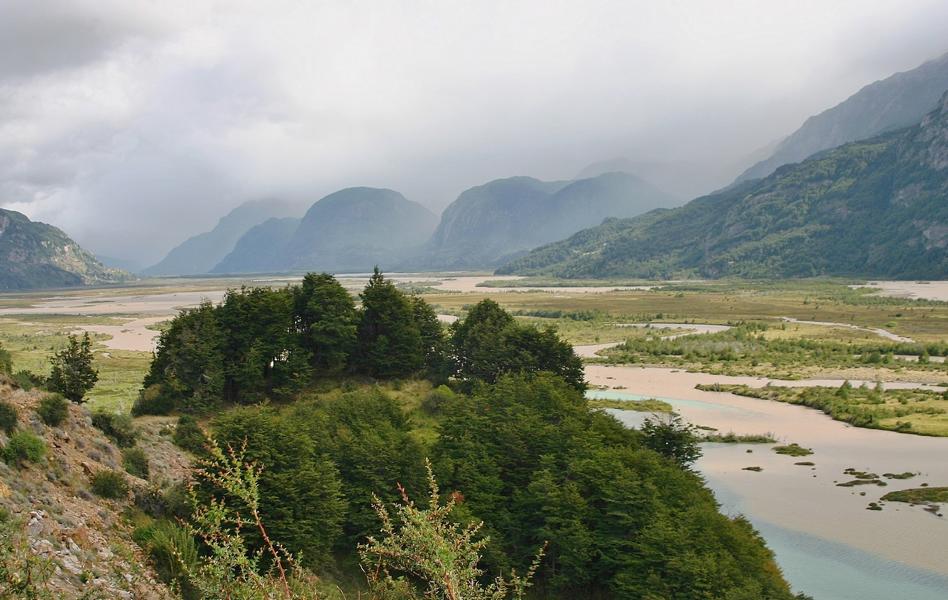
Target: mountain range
{"x":876,"y":208}
{"x":494,"y":222}
{"x":37,"y":255}
{"x":892,"y":103}
{"x":199,"y":254}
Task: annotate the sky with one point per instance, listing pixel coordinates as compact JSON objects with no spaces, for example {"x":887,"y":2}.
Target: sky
{"x":134,"y":124}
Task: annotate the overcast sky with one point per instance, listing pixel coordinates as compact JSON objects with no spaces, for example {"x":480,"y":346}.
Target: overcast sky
{"x":135,"y":124}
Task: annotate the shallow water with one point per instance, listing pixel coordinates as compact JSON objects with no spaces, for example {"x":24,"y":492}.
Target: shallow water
{"x":828,"y":543}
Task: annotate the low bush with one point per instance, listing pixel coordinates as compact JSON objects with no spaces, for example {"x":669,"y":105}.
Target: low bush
{"x":189,"y":435}
{"x":135,"y":462}
{"x":7,"y":417}
{"x":53,"y":409}
{"x":109,"y":484}
{"x":153,"y":400}
{"x":118,"y":427}
{"x":173,"y":553}
{"x":435,"y":401}
{"x":28,"y":380}
{"x":24,"y":447}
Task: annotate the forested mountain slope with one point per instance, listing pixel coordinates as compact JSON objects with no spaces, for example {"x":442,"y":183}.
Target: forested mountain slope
{"x":875,"y":208}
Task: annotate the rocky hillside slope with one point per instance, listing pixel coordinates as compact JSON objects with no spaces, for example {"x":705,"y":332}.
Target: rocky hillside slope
{"x":37,"y":255}
{"x":875,"y":208}
{"x":58,"y":523}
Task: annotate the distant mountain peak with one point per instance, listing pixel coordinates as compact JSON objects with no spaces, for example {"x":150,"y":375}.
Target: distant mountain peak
{"x":37,"y":255}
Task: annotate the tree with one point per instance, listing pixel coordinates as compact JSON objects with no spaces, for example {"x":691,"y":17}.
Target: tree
{"x":326,"y":321}
{"x":389,"y":341}
{"x":73,"y":373}
{"x":433,"y":341}
{"x":6,"y":363}
{"x":489,"y":343}
{"x":672,"y":437}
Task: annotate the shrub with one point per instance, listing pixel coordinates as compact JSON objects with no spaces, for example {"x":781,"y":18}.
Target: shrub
{"x":153,"y":400}
{"x":135,"y":462}
{"x":189,"y":435}
{"x":109,"y":484}
{"x":72,"y":373}
{"x":434,"y":402}
{"x":24,"y":447}
{"x":28,"y":380}
{"x":118,"y":427}
{"x":7,"y":417}
{"x":173,"y":553}
{"x":53,"y":409}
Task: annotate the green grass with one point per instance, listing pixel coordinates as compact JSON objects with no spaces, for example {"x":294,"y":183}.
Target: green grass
{"x":734,"y":438}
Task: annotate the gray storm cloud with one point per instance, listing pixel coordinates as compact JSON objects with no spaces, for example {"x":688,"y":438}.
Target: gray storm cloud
{"x":133,"y":125}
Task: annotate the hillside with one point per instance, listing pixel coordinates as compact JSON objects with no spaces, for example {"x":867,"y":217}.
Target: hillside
{"x":37,"y":255}
{"x":353,"y":230}
{"x":52,"y":514}
{"x":495,"y":221}
{"x":259,"y":249}
{"x":200,"y":253}
{"x":892,"y":103}
{"x":874,"y":208}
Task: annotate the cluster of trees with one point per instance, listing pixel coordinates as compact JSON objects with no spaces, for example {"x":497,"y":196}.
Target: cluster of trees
{"x":620,"y":511}
{"x":262,"y":342}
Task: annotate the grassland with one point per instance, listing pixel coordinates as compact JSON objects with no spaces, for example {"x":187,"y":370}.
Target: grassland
{"x":918,"y":495}
{"x":922,"y":412}
{"x":649,"y":405}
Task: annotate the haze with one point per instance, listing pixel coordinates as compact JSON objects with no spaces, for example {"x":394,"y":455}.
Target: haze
{"x":133,"y":125}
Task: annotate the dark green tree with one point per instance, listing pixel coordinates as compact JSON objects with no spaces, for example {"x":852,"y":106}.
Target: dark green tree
{"x":6,"y":362}
{"x":326,"y":320}
{"x":389,"y":341}
{"x":73,"y":373}
{"x":301,"y":497}
{"x":671,"y":436}
{"x":433,"y":341}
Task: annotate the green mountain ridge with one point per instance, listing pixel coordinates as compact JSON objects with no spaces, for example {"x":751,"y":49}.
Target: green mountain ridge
{"x":875,"y":208}
{"x":501,"y":219}
{"x":892,"y":103}
{"x":36,"y":255}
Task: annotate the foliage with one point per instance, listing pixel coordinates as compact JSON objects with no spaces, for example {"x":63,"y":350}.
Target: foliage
{"x":672,"y":437}
{"x":53,"y":409}
{"x":72,"y":373}
{"x":173,"y":553}
{"x":230,"y":567}
{"x":326,"y":320}
{"x":189,"y":435}
{"x":389,"y":342}
{"x":532,"y":461}
{"x":422,"y":553}
{"x":489,"y":343}
{"x":8,"y":417}
{"x":107,"y":483}
{"x":300,"y":494}
{"x":27,"y":380}
{"x":918,"y":495}
{"x":6,"y":361}
{"x":135,"y":462}
{"x":120,"y":428}
{"x":24,"y":447}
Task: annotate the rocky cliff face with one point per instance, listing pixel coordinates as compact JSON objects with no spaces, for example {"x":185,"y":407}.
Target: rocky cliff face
{"x":37,"y":255}
{"x":892,"y":103}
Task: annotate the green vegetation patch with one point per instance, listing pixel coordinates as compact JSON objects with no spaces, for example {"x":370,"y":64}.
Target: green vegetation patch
{"x":734,"y":438}
{"x":793,"y":449}
{"x":918,"y":495}
{"x":649,"y":405}
{"x":922,"y":412}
